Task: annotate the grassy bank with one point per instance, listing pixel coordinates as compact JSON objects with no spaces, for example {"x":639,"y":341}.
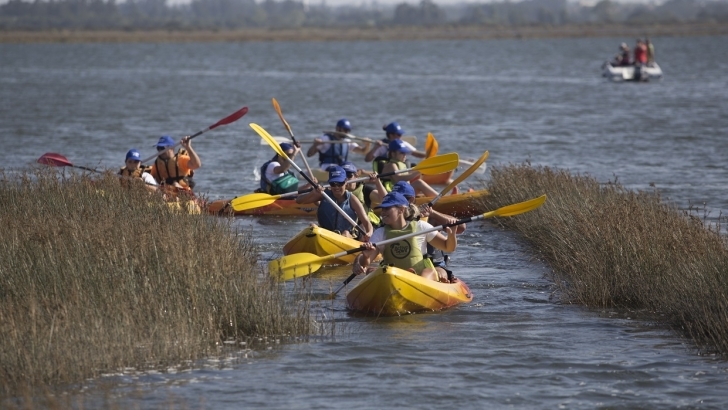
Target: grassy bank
{"x":95,"y":278}
{"x":611,"y":247}
{"x":393,"y":33}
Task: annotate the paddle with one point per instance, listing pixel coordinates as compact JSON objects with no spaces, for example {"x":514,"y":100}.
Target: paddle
{"x":302,"y":264}
{"x":460,"y":178}
{"x":431,"y":145}
{"x":290,"y":132}
{"x":58,"y":160}
{"x":430,"y":166}
{"x":264,"y":134}
{"x":227,"y":120}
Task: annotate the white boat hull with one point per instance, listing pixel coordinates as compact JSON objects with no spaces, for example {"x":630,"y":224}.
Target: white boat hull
{"x":629,"y":73}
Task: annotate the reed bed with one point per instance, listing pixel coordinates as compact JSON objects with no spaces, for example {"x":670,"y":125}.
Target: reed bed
{"x":610,"y":247}
{"x":96,"y":278}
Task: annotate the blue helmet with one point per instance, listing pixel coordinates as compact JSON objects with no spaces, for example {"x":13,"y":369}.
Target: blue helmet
{"x":344,"y":124}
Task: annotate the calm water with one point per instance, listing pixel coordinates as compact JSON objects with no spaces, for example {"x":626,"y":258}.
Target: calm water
{"x":538,"y":100}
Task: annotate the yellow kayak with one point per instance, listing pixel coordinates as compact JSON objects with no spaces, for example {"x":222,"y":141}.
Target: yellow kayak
{"x":322,"y":242}
{"x":389,"y":291}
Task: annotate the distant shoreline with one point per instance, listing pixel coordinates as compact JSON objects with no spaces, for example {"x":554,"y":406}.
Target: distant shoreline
{"x":363,"y":34}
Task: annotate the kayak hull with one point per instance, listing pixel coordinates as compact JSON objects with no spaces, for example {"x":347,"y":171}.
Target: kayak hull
{"x":459,"y":205}
{"x":322,"y":242}
{"x":389,"y":291}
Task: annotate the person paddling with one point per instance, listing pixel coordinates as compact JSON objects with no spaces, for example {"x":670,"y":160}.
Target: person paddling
{"x":407,"y":254}
{"x":398,"y":151}
{"x":393,"y":131}
{"x":362,"y":191}
{"x":329,"y":217}
{"x":172,"y":170}
{"x":134,"y":170}
{"x":276,"y":176}
{"x":334,"y":148}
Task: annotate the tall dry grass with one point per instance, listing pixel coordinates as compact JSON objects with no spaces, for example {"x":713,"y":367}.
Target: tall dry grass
{"x":613,"y":247}
{"x":95,"y":277}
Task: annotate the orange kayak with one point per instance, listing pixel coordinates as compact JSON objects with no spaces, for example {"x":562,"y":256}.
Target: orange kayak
{"x":389,"y":291}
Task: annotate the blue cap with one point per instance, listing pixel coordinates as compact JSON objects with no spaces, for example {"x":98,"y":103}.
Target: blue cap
{"x":404,"y":188}
{"x":393,"y":199}
{"x":286,"y":146}
{"x":349,"y":167}
{"x":336,"y":174}
{"x":165,"y":141}
{"x":398,"y":146}
{"x":134,"y":154}
{"x":393,"y":128}
{"x":344,"y":123}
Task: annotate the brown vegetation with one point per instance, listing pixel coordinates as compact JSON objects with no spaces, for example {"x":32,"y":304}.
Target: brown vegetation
{"x":95,"y":278}
{"x":364,"y":34}
{"x":612,"y":247}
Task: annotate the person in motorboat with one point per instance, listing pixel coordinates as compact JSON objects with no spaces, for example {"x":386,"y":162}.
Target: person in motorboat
{"x":134,"y":170}
{"x":172,"y":170}
{"x":408,"y":254}
{"x":393,"y":131}
{"x":397,"y":157}
{"x":329,"y":217}
{"x":640,"y":53}
{"x":276,"y":176}
{"x":622,"y":58}
{"x":650,"y":52}
{"x":334,"y":148}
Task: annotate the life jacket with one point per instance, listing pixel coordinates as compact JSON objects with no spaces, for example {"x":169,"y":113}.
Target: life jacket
{"x":336,"y":154}
{"x":127,"y":174}
{"x":387,"y":181}
{"x":168,"y":170}
{"x":362,"y":193}
{"x":329,"y":218}
{"x":281,"y":185}
{"x":404,"y":254}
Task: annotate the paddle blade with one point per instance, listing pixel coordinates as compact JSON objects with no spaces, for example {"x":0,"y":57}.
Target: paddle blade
{"x":431,"y":145}
{"x":54,"y":159}
{"x":230,"y":118}
{"x":268,"y":138}
{"x":279,"y":140}
{"x":280,"y":115}
{"x":252,"y":201}
{"x":467,"y":172}
{"x":296,"y":265}
{"x":438,"y":165}
{"x":516,"y":209}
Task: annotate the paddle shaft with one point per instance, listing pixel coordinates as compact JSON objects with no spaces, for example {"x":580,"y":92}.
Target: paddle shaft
{"x":227,"y":120}
{"x":290,"y":132}
{"x":61,"y":161}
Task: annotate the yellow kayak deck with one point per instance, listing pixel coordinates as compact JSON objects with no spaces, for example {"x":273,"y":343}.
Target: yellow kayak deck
{"x":322,"y":242}
{"x":389,"y":291}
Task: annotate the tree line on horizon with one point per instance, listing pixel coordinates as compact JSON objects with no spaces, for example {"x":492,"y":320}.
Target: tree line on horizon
{"x":234,"y":14}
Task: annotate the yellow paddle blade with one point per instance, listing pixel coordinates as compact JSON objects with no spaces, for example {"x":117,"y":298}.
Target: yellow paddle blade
{"x":296,"y":265}
{"x":466,"y":173}
{"x":516,"y":209}
{"x":431,"y":145}
{"x":268,"y":138}
{"x":438,"y":165}
{"x":252,"y":201}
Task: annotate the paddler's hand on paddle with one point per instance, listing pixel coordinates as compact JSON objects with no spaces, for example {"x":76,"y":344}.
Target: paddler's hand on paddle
{"x":373,"y":178}
{"x":361,"y":262}
{"x":425,"y":210}
{"x":186,"y":141}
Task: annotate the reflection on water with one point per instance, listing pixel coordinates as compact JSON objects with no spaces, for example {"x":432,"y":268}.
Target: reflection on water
{"x":541,"y":101}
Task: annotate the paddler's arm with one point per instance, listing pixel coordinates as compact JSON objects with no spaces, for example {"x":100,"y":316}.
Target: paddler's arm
{"x":436,"y":218}
{"x":361,"y":150}
{"x":369,"y":157}
{"x":445,"y":244}
{"x":284,"y":165}
{"x":194,"y":162}
{"x":362,"y":261}
{"x":376,"y":195}
{"x":314,"y":148}
{"x":311,"y":197}
{"x":364,"y":221}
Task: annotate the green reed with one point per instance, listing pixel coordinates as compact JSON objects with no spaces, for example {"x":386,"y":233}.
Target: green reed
{"x":96,"y":277}
{"x":612,"y":247}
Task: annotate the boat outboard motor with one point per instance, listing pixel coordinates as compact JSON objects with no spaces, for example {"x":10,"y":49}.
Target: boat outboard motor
{"x":638,"y":73}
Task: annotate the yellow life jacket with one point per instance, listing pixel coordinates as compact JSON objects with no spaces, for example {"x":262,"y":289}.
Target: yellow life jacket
{"x":404,"y":254}
{"x":128,"y":174}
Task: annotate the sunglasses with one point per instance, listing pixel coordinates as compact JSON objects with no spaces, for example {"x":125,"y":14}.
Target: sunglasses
{"x":336,"y":184}
{"x":350,"y":174}
{"x":133,"y":160}
{"x":159,"y":148}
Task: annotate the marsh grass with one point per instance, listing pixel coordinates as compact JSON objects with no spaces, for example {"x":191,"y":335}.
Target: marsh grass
{"x":96,"y":278}
{"x":611,"y":247}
